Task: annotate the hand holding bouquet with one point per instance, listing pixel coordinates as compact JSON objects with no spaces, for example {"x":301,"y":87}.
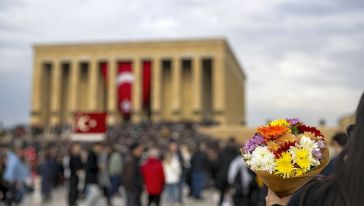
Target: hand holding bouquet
{"x":286,"y":154}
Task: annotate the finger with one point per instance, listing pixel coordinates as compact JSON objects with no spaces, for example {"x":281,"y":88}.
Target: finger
{"x":270,"y":192}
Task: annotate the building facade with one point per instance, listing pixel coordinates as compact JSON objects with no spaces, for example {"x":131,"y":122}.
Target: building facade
{"x":181,"y":80}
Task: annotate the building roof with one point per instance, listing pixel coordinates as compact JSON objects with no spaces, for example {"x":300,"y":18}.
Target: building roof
{"x":218,"y":42}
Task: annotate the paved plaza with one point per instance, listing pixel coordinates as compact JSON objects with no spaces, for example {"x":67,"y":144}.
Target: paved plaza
{"x":59,"y":199}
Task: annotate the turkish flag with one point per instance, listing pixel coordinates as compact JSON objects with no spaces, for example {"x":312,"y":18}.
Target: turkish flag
{"x":90,"y":123}
{"x":124,"y":83}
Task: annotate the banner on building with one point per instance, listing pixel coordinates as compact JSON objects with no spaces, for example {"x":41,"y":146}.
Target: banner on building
{"x":89,"y":127}
{"x":125,"y":80}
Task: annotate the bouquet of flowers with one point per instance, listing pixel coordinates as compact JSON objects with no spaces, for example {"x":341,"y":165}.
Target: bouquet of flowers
{"x":286,"y":154}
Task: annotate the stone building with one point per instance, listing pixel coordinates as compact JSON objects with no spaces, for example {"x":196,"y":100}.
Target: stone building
{"x":173,"y":80}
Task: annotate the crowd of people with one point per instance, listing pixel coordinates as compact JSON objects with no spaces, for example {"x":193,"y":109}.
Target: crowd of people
{"x":168,"y":162}
{"x":172,"y":159}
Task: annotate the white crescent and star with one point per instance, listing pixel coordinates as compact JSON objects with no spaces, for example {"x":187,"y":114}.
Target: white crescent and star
{"x":125,"y":78}
{"x":85,"y":123}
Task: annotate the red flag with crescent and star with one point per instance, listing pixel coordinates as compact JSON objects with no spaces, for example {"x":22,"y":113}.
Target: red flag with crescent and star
{"x":89,"y":126}
{"x":125,"y":80}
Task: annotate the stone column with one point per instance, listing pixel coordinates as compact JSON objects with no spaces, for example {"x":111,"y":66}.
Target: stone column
{"x":156,"y":89}
{"x":218,"y":88}
{"x":197,"y":89}
{"x":93,"y":86}
{"x":136,"y":90}
{"x":111,"y":93}
{"x":73,"y":89}
{"x":176,"y":82}
{"x":56,"y":79}
{"x":36,"y":112}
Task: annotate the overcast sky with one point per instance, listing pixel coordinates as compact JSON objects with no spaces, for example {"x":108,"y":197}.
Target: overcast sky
{"x":302,"y":58}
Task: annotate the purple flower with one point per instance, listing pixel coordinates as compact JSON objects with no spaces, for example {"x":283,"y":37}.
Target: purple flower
{"x":317,"y":153}
{"x":293,"y":121}
{"x":253,"y":142}
{"x":321,"y":144}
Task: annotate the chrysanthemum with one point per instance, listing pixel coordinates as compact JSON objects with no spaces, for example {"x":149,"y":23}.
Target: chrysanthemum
{"x":279,"y":122}
{"x":287,"y":137}
{"x":309,"y":134}
{"x":302,"y":157}
{"x":272,"y":132}
{"x":273,"y":146}
{"x":303,"y":128}
{"x":283,"y":148}
{"x":261,"y":159}
{"x":284,"y":165}
{"x":253,"y":142}
{"x":298,"y":172}
{"x":308,"y":143}
{"x":294,"y":121}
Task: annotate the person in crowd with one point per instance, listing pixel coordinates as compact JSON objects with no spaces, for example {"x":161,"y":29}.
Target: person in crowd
{"x":3,"y":184}
{"x":53,"y":163}
{"x":240,"y":179}
{"x":115,"y":170}
{"x":199,"y":167}
{"x":104,"y":175}
{"x":75,"y":167}
{"x":213,"y":158}
{"x":92,"y":170}
{"x":344,"y":186}
{"x":16,"y":174}
{"x":186,"y":167}
{"x":59,"y":177}
{"x":47,"y":171}
{"x":338,"y":142}
{"x":228,"y":153}
{"x":172,"y":170}
{"x":132,"y":177}
{"x":173,"y":150}
{"x":153,"y":176}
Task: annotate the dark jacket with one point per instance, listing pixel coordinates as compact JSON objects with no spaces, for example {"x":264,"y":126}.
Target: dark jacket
{"x":329,"y":168}
{"x":48,"y":171}
{"x":199,"y":162}
{"x":314,"y":186}
{"x":132,"y":177}
{"x":92,"y":169}
{"x":75,"y":164}
{"x":225,"y":158}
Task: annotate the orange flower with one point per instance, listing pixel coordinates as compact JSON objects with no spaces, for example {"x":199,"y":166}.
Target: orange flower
{"x":273,"y":146}
{"x":272,"y":132}
{"x":286,"y":138}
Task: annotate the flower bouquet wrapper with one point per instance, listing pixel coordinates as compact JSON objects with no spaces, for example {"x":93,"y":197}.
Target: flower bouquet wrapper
{"x":287,"y":186}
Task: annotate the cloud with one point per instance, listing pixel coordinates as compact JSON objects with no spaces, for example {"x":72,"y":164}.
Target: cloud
{"x":302,"y":58}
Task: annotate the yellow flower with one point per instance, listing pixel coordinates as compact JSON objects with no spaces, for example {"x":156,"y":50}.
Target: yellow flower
{"x":298,"y":172}
{"x":284,"y":165}
{"x":302,"y":158}
{"x":279,"y":122}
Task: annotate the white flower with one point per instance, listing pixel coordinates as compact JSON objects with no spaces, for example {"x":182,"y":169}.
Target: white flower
{"x":247,"y":158}
{"x":261,"y":159}
{"x":315,"y":162}
{"x":308,"y":143}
